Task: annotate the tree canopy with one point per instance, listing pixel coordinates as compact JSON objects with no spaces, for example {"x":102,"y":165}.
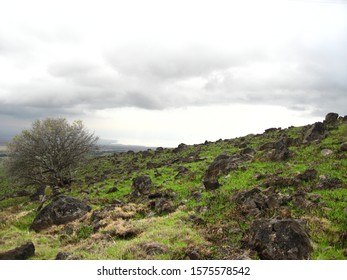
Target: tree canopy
{"x":49,"y":152}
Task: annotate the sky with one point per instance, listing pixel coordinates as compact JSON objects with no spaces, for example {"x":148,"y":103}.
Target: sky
{"x":162,"y":72}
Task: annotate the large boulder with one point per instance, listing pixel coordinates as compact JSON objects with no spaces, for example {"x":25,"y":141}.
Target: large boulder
{"x":275,"y":239}
{"x":331,"y":118}
{"x":23,"y":252}
{"x":61,"y":210}
{"x":222,"y":165}
{"x":315,"y":132}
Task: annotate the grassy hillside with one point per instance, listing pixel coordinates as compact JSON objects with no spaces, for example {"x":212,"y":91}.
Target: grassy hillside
{"x":184,"y":212}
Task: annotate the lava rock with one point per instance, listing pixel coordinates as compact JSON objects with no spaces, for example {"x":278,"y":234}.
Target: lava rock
{"x":141,"y":185}
{"x":343,"y":147}
{"x":315,"y":132}
{"x":280,"y":239}
{"x":23,"y":252}
{"x":331,"y":118}
{"x":61,"y":210}
{"x":308,"y":175}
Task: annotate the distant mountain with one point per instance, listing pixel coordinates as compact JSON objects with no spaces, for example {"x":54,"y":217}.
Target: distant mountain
{"x":106,"y":145}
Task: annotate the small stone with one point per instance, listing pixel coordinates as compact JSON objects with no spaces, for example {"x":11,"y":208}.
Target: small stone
{"x":343,"y":147}
{"x":326,"y":152}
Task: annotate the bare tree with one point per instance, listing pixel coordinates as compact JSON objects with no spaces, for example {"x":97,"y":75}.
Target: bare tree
{"x":49,"y":153}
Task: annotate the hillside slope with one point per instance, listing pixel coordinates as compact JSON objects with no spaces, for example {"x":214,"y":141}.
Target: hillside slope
{"x":277,"y":195}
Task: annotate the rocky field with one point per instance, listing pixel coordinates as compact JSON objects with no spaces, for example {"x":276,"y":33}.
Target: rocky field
{"x":277,"y":195}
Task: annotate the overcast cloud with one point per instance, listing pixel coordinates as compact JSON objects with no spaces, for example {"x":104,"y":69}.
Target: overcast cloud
{"x":78,"y":58}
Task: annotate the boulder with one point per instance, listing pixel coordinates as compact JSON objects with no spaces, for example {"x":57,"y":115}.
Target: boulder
{"x":63,"y":209}
{"x":343,"y":147}
{"x":221,"y":166}
{"x":275,"y":239}
{"x":211,"y":184}
{"x":23,"y":252}
{"x":331,"y":118}
{"x":280,"y":151}
{"x":329,"y":183}
{"x":141,"y":185}
{"x":308,"y":175}
{"x":63,"y":256}
{"x":315,"y":132}
{"x":256,"y":202}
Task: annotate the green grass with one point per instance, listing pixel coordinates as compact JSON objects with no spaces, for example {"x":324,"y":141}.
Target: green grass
{"x":222,"y":225}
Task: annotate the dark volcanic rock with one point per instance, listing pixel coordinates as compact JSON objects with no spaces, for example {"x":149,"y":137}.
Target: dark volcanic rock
{"x":343,"y":147}
{"x":331,"y":118}
{"x":308,"y":175}
{"x":61,"y":210}
{"x":315,"y":132}
{"x":153,"y":248}
{"x":280,"y":151}
{"x":211,"y":184}
{"x":277,"y":181}
{"x":280,"y":239}
{"x":63,"y":256}
{"x":329,"y":183}
{"x":256,"y":202}
{"x":221,"y":166}
{"x":112,"y":190}
{"x":141,"y":185}
{"x":23,"y":252}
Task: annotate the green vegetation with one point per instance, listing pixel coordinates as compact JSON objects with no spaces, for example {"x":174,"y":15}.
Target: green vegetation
{"x":196,"y":223}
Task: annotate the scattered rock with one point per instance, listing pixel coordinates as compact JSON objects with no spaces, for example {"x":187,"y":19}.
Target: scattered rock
{"x":61,"y":210}
{"x":247,"y":151}
{"x":193,"y":253}
{"x":272,"y":129}
{"x":222,"y":165}
{"x":280,"y":151}
{"x":280,"y":239}
{"x":141,"y":185}
{"x":331,"y":118}
{"x":326,"y":152}
{"x":277,"y":181}
{"x":153,"y":248}
{"x":211,"y":184}
{"x":308,"y":175}
{"x":329,"y":183}
{"x":23,"y":252}
{"x":180,"y":148}
{"x":267,"y":146}
{"x":164,"y":206}
{"x":300,"y":201}
{"x":256,"y":202}
{"x":315,"y":132}
{"x":63,"y":256}
{"x":343,"y":147}
{"x":182,"y":172}
{"x":112,"y":190}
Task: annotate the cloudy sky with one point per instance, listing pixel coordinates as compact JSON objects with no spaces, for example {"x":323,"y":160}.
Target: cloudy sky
{"x":162,"y":72}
